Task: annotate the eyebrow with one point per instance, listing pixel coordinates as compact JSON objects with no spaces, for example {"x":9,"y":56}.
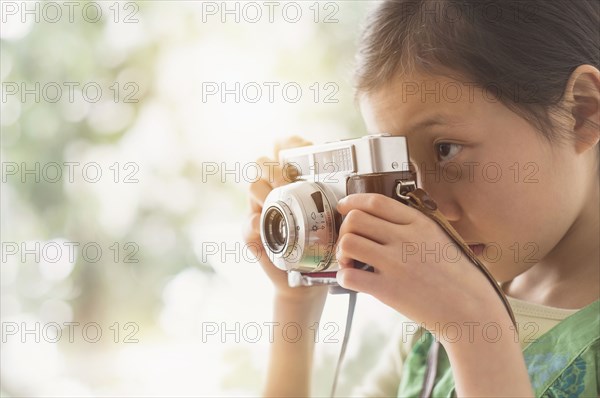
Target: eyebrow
{"x":434,"y":120}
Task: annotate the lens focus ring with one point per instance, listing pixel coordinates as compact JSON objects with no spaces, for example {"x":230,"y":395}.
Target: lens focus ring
{"x":278,"y":228}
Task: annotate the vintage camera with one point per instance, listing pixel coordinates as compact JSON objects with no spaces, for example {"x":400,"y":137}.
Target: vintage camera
{"x":299,"y":221}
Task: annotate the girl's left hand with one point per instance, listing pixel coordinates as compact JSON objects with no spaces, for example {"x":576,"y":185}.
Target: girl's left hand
{"x":419,"y":269}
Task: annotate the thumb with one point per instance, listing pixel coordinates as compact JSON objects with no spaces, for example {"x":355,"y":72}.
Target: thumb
{"x":358,"y":280}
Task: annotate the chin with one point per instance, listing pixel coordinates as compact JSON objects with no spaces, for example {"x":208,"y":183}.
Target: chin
{"x":502,"y":273}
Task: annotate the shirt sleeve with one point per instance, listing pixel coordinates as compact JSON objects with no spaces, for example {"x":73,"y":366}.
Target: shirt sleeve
{"x":384,"y":379}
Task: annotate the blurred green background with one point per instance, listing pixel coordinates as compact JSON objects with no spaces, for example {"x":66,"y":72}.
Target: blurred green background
{"x":156,"y":210}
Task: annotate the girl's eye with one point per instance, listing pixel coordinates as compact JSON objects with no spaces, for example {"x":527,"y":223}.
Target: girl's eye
{"x":445,"y":151}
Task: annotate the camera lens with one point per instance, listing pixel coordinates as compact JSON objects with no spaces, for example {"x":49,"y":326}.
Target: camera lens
{"x":298,"y":227}
{"x":275,"y":229}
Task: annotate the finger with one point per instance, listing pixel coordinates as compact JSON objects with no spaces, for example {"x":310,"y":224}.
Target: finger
{"x":379,"y":206}
{"x":270,"y":171}
{"x":251,"y":229}
{"x":255,"y":207}
{"x":275,"y":174}
{"x":259,"y":191}
{"x":355,"y":247}
{"x":359,"y":280}
{"x":368,"y":226}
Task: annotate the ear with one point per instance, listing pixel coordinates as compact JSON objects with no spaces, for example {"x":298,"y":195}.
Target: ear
{"x":582,"y":99}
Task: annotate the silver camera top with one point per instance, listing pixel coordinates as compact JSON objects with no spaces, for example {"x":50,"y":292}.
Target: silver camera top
{"x":366,"y":155}
{"x":299,"y":221}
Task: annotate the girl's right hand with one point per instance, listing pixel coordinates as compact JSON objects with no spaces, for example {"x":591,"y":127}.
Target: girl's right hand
{"x":273,"y":177}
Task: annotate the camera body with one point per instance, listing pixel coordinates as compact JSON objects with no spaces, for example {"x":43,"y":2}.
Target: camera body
{"x":299,"y":221}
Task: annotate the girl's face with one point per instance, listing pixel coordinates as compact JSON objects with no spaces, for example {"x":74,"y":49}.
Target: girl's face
{"x":495,"y":178}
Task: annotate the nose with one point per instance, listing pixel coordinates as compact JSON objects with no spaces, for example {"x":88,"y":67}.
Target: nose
{"x":445,"y":197}
{"x":447,"y":205}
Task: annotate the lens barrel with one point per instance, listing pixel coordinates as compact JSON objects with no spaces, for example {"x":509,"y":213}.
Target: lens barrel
{"x":298,"y":226}
{"x":276,"y":229}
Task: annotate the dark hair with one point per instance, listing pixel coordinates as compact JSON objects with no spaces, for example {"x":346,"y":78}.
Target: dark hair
{"x":526,"y":49}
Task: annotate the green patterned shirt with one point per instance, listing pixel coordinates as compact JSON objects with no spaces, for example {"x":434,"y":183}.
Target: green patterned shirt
{"x":563,"y":362}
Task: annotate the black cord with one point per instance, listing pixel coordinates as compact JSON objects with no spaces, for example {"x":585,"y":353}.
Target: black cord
{"x":351,"y":305}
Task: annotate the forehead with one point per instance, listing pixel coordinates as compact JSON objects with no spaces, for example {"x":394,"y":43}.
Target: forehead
{"x":420,"y":100}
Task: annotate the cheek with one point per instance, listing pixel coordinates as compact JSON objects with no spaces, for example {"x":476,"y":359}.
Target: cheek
{"x":524,"y":214}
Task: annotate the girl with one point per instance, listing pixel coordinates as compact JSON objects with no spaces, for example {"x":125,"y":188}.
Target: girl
{"x":500,"y":103}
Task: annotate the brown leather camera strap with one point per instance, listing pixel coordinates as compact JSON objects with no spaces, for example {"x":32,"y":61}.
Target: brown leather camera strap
{"x":420,"y":200}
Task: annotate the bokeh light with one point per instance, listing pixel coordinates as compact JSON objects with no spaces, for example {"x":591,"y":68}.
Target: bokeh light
{"x":139,"y":231}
